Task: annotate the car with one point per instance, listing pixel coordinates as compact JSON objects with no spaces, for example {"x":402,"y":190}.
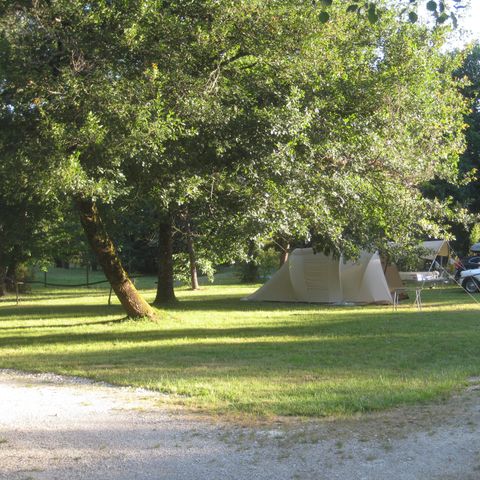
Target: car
{"x":471,"y":262}
{"x":470,"y":280}
{"x":467,"y":263}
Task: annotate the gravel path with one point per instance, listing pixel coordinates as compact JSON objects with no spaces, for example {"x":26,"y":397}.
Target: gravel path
{"x":53,"y":427}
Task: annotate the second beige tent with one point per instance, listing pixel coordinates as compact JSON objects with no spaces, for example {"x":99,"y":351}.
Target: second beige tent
{"x":318,"y":278}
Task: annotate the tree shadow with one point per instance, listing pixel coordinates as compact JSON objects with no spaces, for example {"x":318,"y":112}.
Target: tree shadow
{"x":358,"y":325}
{"x":50,"y":312}
{"x":110,"y":322}
{"x":308,"y":344}
{"x":302,"y":360}
{"x":221,"y":303}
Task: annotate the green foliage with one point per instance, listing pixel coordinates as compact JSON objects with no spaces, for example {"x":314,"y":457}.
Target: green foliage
{"x":268,"y":262}
{"x":324,"y":17}
{"x":475,"y":234}
{"x":349,"y":166}
{"x":259,"y":265}
{"x":465,"y":193}
{"x":440,"y":10}
{"x":255,"y":116}
{"x":182,"y":268}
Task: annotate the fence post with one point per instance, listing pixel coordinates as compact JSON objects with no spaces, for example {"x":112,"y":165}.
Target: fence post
{"x":88,"y":275}
{"x":110,"y":296}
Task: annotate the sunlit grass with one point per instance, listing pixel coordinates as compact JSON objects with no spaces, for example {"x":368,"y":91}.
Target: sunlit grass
{"x":216,"y":353}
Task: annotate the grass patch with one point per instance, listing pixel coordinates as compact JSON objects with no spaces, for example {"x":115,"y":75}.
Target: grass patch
{"x":215,"y":353}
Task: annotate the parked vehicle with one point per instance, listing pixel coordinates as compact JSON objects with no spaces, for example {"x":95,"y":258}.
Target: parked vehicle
{"x":470,"y":280}
{"x":467,"y":263}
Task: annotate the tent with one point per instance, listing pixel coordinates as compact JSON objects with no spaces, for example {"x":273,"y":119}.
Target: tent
{"x":318,"y":278}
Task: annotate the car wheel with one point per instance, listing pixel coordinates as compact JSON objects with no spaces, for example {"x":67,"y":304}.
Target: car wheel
{"x":470,"y":285}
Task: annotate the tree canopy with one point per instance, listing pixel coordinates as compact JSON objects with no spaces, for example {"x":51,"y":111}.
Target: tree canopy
{"x":442,"y":11}
{"x":261,"y":112}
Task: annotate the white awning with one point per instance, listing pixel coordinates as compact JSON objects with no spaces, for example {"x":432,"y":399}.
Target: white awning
{"x":435,"y":248}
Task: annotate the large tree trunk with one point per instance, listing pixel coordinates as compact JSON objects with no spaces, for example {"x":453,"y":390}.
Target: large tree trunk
{"x":3,"y":273}
{"x":165,"y":290}
{"x":102,"y":246}
{"x":11,"y":276}
{"x":191,"y":256}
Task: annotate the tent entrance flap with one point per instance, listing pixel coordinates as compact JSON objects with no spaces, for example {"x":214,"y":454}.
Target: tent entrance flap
{"x":315,"y":277}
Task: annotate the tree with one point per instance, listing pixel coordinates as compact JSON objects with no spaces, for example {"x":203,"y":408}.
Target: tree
{"x":320,"y":130}
{"x":470,"y":160}
{"x":464,"y":194}
{"x":372,"y":115}
{"x":59,"y":62}
{"x":29,"y":213}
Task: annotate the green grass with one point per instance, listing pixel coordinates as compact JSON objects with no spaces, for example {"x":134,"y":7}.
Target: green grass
{"x":215,"y":353}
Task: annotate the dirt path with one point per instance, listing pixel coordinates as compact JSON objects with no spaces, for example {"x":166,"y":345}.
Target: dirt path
{"x":58,"y":428}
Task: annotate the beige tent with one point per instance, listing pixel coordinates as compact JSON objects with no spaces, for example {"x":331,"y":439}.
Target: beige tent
{"x":318,"y":278}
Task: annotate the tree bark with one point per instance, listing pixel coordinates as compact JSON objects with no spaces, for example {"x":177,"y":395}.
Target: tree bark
{"x":165,"y":284}
{"x":284,"y":254}
{"x":3,"y":273}
{"x":11,"y":276}
{"x":192,"y":257}
{"x":101,"y":244}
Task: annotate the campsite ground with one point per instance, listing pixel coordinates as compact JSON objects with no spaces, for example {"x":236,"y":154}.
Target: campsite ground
{"x":56,"y":428}
{"x":212,"y":352}
{"x":238,"y":390}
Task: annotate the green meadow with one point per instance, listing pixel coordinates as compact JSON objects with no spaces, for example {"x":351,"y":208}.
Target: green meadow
{"x":212,"y":352}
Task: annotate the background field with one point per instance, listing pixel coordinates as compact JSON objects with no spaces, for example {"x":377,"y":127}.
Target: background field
{"x":215,"y":353}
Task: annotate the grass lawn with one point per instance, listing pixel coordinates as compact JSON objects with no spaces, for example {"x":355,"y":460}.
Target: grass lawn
{"x":214,"y":353}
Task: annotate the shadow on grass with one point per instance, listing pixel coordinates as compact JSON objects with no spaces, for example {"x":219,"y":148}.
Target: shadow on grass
{"x":219,"y":303}
{"x":51,"y":312}
{"x":303,"y":349}
{"x":64,"y":296}
{"x":49,"y":295}
{"x":314,"y":359}
{"x":66,"y":325}
{"x":360,"y":326}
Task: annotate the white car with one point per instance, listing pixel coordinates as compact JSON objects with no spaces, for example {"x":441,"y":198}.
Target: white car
{"x":470,"y":280}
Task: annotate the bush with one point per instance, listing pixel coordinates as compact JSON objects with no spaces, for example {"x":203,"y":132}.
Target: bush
{"x":475,"y":234}
{"x":268,"y":262}
{"x":260,"y":267}
{"x":22,"y":274}
{"x":181,"y":266}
